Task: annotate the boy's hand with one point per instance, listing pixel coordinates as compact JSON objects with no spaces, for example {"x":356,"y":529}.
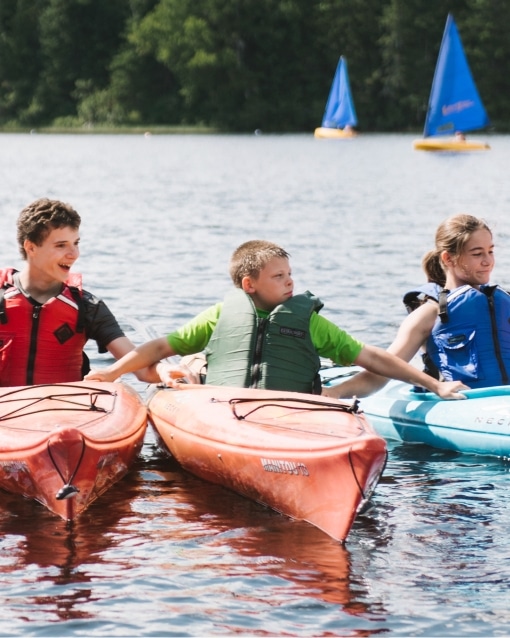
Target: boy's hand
{"x":100,"y":375}
{"x":174,"y":376}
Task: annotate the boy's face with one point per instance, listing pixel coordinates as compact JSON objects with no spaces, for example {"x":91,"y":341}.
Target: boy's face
{"x":273,"y":286}
{"x":52,"y":260}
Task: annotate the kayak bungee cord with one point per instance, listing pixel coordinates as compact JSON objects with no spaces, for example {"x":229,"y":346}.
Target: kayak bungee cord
{"x":366,"y":497}
{"x":33,"y":401}
{"x":319,"y":405}
{"x":68,"y":489}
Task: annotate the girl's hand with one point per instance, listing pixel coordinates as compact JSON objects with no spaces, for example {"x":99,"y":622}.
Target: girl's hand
{"x":451,"y":389}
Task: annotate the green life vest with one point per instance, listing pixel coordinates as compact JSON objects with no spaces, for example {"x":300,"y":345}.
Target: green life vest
{"x":276,"y":352}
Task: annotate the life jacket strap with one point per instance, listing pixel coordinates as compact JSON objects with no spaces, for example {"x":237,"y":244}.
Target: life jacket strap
{"x":78,"y":298}
{"x":443,"y":305}
{"x":3,"y":314}
{"x":488,"y":291}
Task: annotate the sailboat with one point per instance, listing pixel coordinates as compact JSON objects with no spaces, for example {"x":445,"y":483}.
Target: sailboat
{"x":340,"y":114}
{"x":455,"y":106}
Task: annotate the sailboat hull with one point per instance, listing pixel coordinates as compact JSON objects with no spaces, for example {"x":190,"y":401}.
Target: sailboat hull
{"x":334,"y":133}
{"x":449,"y":144}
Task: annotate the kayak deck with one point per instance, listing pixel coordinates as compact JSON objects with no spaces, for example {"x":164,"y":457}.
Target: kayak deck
{"x":65,"y":444}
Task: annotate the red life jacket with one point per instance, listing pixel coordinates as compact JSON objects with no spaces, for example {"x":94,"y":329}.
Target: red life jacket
{"x":41,"y":343}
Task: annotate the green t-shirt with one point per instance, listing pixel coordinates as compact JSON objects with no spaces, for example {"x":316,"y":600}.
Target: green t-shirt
{"x":329,"y":340}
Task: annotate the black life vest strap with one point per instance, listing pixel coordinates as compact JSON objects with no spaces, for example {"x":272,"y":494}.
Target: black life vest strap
{"x":489,"y":293}
{"x":3,"y":314}
{"x":78,"y":298}
{"x":443,"y":305}
{"x":256,"y":367}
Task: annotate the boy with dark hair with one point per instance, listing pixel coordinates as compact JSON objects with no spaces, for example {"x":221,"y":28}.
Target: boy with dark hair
{"x":46,"y":318}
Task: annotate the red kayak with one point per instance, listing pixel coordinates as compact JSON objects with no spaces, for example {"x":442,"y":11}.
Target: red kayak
{"x":65,"y":444}
{"x":306,"y":456}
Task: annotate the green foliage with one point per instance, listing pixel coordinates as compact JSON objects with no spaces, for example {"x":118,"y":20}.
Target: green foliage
{"x":351,"y":28}
{"x":238,"y":65}
{"x":20,"y":63}
{"x":484,"y":31}
{"x":78,"y":39}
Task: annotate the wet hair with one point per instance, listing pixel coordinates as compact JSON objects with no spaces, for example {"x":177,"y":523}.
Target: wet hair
{"x":451,"y":236}
{"x":38,"y":219}
{"x":251,"y":257}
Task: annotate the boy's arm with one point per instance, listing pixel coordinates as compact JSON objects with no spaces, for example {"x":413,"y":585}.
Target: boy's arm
{"x":411,"y":335}
{"x":120,"y":347}
{"x":192,"y":337}
{"x":386,"y":364}
{"x":141,"y":357}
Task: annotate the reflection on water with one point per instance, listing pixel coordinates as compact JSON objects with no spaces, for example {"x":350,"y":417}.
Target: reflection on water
{"x":51,"y":554}
{"x":164,"y":553}
{"x":446,"y":536}
{"x":173,"y":545}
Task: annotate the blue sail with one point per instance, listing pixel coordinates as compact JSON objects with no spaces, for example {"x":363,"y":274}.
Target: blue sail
{"x":454,"y":103}
{"x":340,"y":111}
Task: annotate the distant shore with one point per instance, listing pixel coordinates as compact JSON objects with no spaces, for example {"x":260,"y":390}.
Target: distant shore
{"x":113,"y":130}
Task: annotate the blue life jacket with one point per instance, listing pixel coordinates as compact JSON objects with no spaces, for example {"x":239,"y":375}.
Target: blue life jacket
{"x":470,"y":340}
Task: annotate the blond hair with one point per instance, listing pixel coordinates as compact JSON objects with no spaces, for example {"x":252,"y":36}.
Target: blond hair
{"x":251,"y":257}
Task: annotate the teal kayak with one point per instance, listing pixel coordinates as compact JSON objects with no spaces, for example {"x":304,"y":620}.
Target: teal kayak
{"x":480,"y":424}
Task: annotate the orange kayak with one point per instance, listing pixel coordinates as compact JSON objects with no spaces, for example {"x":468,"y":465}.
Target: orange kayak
{"x":306,"y":456}
{"x":65,"y":444}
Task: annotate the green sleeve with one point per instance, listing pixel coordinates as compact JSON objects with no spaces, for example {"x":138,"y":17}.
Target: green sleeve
{"x":193,"y":336}
{"x":332,"y":342}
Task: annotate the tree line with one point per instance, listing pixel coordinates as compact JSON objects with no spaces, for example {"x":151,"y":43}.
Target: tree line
{"x":238,"y":65}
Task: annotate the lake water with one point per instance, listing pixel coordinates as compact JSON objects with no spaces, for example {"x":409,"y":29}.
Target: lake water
{"x":166,"y":554}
